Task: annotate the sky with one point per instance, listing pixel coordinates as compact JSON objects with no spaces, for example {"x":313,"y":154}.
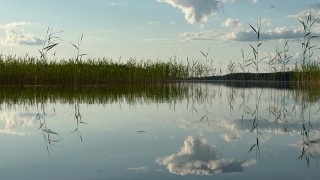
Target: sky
{"x":155,"y":29}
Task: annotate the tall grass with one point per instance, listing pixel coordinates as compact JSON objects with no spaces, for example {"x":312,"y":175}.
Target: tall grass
{"x":34,"y":71}
{"x":308,"y":71}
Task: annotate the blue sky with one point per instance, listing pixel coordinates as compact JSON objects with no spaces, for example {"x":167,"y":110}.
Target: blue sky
{"x":151,"y":29}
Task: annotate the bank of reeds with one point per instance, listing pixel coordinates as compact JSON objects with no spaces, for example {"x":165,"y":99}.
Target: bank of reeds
{"x":307,"y":72}
{"x":32,"y":71}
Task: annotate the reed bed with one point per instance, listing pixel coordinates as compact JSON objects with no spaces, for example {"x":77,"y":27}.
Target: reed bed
{"x":32,"y":71}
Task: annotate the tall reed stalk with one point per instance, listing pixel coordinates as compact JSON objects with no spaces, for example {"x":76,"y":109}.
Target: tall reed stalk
{"x":308,"y":71}
{"x":255,"y":48}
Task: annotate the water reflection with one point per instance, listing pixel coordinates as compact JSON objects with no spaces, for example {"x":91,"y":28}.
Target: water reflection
{"x":208,"y":119}
{"x":78,"y":120}
{"x":199,"y":157}
{"x":14,"y":123}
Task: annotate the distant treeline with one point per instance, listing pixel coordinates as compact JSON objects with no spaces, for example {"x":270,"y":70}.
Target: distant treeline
{"x":278,"y":76}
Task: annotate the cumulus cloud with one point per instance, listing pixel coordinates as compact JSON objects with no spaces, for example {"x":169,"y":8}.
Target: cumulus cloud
{"x":274,"y":34}
{"x":198,"y":157}
{"x":233,"y":23}
{"x":196,"y":11}
{"x":14,"y":36}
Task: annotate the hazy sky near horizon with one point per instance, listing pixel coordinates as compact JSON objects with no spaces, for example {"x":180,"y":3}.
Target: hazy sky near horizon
{"x":151,"y":29}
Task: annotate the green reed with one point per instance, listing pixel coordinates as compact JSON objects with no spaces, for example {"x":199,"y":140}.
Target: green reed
{"x":34,"y":71}
{"x":308,"y":70}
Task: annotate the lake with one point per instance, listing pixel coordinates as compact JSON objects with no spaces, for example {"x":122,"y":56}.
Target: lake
{"x":168,"y":131}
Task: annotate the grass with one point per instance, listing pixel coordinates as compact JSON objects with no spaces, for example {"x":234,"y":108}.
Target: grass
{"x":32,"y":71}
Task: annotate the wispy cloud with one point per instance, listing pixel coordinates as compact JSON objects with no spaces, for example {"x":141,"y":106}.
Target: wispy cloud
{"x":152,"y":22}
{"x":138,"y":169}
{"x":117,"y":4}
{"x":14,"y":35}
{"x":196,"y":11}
{"x":253,"y":1}
{"x":206,"y":35}
{"x":199,"y":157}
{"x":159,"y":40}
{"x":278,"y":33}
{"x":314,"y":10}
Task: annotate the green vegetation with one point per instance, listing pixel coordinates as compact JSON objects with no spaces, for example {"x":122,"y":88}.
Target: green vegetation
{"x":33,"y":71}
{"x":131,"y":94}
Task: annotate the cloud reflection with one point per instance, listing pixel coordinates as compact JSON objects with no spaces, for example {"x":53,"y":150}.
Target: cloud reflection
{"x":314,"y":147}
{"x":14,"y":124}
{"x":200,"y":158}
{"x":138,"y":169}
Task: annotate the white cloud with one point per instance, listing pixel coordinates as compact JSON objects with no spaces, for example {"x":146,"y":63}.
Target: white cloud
{"x":196,"y":11}
{"x":233,"y":23}
{"x":273,"y":34}
{"x":277,"y":33}
{"x":14,"y":37}
{"x":198,"y":157}
{"x":14,"y":25}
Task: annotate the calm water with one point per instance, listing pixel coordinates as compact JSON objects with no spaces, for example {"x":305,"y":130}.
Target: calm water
{"x":185,"y":131}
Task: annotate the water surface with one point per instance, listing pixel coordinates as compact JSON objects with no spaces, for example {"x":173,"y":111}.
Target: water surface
{"x":175,"y":131}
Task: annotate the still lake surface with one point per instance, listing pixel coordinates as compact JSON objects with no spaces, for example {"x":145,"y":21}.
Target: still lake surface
{"x":173,"y":131}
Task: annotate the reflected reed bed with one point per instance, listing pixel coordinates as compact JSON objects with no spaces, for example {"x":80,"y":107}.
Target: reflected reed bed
{"x":131,"y":94}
